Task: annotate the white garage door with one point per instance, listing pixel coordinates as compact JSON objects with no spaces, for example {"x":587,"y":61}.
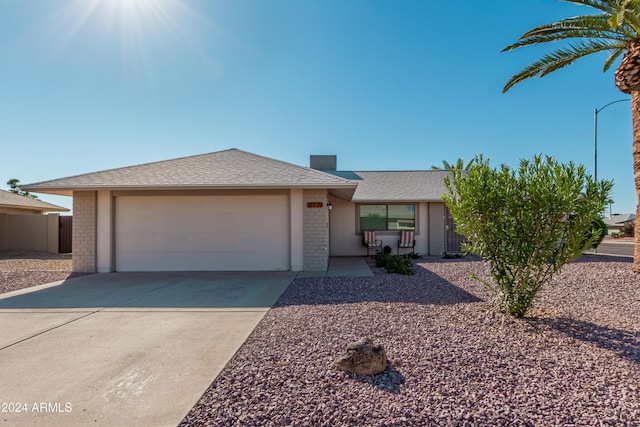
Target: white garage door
{"x":202,"y":233}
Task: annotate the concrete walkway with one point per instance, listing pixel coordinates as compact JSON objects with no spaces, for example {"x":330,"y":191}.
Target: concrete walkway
{"x":342,"y":267}
{"x":124,"y":348}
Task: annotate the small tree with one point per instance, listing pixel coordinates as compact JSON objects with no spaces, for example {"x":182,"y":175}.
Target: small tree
{"x":527,"y":223}
{"x":15,"y":189}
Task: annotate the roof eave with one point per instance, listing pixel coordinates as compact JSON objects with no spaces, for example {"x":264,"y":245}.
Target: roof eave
{"x":34,"y":208}
{"x":392,"y":200}
{"x":68,"y":191}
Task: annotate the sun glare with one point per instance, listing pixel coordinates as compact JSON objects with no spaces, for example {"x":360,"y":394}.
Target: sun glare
{"x":130,"y":26}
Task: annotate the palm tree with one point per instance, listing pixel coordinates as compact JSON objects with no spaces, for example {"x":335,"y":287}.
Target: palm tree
{"x":614,"y":28}
{"x":458,"y":165}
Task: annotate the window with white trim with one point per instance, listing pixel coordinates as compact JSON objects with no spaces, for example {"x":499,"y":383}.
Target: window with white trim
{"x":387,"y":217}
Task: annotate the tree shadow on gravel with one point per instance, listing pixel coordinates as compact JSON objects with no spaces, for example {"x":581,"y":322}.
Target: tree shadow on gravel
{"x":625,"y":344}
{"x":389,"y":381}
{"x":586,"y":257}
{"x":603,"y":258}
{"x":425,"y":287}
{"x":432,"y":259}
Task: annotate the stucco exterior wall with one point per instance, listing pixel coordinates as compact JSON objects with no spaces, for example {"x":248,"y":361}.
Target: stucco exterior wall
{"x":346,"y":239}
{"x":316,"y":231}
{"x":4,"y":232}
{"x":423,"y":231}
{"x":104,"y":232}
{"x":84,"y":231}
{"x":29,"y":232}
{"x":296,"y":218}
{"x":343,"y":238}
{"x":17,"y":211}
{"x":436,"y":226}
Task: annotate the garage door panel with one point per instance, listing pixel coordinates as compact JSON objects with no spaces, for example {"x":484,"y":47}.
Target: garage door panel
{"x":206,"y":242}
{"x":210,"y":261}
{"x":169,"y":233}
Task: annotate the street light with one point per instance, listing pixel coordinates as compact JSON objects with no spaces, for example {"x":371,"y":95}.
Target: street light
{"x":595,"y":135}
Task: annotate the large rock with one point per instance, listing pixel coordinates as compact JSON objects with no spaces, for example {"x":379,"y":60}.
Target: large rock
{"x":363,"y":357}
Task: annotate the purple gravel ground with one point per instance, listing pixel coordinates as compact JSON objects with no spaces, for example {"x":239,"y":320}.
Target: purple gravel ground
{"x":453,"y":361}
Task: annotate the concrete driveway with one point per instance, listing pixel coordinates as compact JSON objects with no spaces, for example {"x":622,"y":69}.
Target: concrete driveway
{"x":124,"y":348}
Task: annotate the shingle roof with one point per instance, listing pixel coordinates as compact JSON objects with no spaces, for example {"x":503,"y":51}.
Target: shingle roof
{"x":222,"y":169}
{"x":400,"y":186}
{"x":11,"y":200}
{"x":619,"y":219}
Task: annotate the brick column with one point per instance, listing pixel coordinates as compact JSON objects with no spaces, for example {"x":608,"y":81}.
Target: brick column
{"x":84,"y":231}
{"x":316,"y":231}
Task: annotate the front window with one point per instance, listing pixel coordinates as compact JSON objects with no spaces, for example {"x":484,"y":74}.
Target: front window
{"x":387,"y":217}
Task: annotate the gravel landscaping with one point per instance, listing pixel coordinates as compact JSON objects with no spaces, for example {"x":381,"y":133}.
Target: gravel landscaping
{"x":453,"y":361}
{"x":24,"y":269}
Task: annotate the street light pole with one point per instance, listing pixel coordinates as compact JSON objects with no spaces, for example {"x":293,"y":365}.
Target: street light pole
{"x":595,"y":135}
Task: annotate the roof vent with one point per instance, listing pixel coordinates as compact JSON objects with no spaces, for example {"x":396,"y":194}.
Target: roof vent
{"x":324,"y":163}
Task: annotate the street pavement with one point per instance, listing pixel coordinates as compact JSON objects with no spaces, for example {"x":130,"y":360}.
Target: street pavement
{"x":622,"y":248}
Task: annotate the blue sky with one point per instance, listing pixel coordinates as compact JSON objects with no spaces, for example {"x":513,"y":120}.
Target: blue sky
{"x":89,"y":85}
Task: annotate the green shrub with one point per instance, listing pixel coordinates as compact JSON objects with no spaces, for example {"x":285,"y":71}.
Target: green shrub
{"x":381,"y":259}
{"x":450,"y":255}
{"x":400,"y":264}
{"x":596,"y":233}
{"x":526,"y":222}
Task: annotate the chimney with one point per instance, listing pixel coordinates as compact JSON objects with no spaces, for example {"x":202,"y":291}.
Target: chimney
{"x":323,"y":163}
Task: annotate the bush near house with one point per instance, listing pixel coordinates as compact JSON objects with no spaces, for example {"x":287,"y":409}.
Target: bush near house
{"x":400,"y":264}
{"x":526,"y":222}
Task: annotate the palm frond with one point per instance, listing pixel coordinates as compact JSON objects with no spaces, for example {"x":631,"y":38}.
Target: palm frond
{"x":593,"y":22}
{"x":607,"y":6}
{"x":588,"y":27}
{"x":560,"y":58}
{"x":627,"y":13}
{"x":612,"y":57}
{"x":571,"y":34}
{"x":614,"y":29}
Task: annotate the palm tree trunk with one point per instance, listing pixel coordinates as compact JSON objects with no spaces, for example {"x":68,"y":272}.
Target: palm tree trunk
{"x":635,"y":115}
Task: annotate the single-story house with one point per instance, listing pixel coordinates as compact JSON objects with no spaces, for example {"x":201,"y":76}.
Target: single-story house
{"x":616,"y":222}
{"x":23,"y":225}
{"x":11,"y":203}
{"x":234,"y":210}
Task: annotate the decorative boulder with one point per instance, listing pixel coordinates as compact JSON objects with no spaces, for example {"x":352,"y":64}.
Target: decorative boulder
{"x":363,"y":357}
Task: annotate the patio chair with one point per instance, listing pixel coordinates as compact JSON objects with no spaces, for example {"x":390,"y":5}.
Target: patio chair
{"x":407,"y":240}
{"x":369,"y":240}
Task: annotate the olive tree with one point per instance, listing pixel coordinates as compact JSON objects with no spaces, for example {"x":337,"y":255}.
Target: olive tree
{"x":526,"y":222}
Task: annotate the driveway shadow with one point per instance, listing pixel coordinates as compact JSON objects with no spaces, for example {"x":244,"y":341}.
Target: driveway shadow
{"x":175,"y":290}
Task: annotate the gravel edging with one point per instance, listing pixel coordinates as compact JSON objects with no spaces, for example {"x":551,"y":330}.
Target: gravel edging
{"x":453,"y":360}
{"x":20,"y":269}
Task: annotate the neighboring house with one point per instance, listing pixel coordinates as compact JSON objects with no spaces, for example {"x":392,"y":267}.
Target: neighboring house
{"x":617,"y":221}
{"x":23,"y":225}
{"x":11,"y":203}
{"x":234,"y":210}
